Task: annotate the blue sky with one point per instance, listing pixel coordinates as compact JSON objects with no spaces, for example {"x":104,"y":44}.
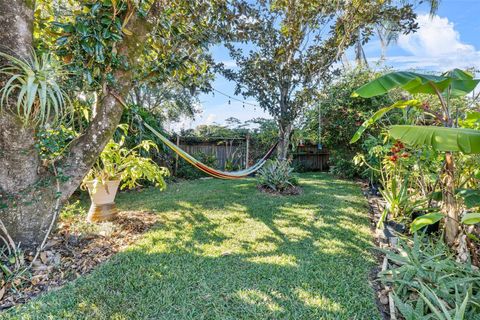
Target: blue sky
{"x":449,"y":39}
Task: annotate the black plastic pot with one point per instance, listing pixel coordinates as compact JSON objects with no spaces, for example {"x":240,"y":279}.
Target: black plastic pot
{"x":373,"y":188}
{"x":395,"y":227}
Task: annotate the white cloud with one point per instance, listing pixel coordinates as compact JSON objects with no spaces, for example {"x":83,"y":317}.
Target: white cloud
{"x":229,"y":63}
{"x":436,"y":45}
{"x":210,"y":118}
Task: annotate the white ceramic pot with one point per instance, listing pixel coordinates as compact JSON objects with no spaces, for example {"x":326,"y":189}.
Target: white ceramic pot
{"x":103,"y":200}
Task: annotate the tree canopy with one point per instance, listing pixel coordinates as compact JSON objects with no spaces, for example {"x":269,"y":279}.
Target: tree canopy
{"x":284,"y":50}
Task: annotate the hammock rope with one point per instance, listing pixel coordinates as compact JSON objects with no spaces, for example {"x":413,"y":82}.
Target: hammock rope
{"x":197,"y":164}
{"x":209,"y":170}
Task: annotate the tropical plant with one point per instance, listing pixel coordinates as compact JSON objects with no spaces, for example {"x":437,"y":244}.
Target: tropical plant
{"x":428,"y":283}
{"x":276,"y":175}
{"x":448,"y":139}
{"x":119,"y":163}
{"x":36,"y":85}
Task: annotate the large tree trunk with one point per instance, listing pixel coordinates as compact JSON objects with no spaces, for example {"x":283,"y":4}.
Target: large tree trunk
{"x":26,"y":194}
{"x":449,"y":202}
{"x":28,"y":190}
{"x":284,"y":132}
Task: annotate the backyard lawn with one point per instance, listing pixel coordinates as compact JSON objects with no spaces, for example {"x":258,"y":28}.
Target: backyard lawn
{"x":223,"y":250}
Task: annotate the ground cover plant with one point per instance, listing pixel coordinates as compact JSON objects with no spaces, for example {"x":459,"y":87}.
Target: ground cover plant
{"x":429,"y":281}
{"x":222,"y":250}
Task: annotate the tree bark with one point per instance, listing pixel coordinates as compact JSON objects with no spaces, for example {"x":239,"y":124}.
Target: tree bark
{"x":284,"y":132}
{"x":28,"y":191}
{"x":449,"y":202}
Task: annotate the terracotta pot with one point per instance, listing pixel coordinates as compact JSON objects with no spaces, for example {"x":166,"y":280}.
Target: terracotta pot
{"x":103,"y":196}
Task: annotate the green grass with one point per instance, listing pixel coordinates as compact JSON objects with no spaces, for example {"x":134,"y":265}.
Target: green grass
{"x":222,"y":250}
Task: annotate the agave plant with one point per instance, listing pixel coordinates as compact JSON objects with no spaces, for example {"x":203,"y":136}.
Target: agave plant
{"x":276,"y":175}
{"x":34,"y":85}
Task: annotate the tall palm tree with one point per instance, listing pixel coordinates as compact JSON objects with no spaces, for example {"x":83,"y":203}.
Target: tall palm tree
{"x":387,"y":35}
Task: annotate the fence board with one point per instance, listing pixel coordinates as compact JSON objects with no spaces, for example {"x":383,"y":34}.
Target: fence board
{"x":306,"y":158}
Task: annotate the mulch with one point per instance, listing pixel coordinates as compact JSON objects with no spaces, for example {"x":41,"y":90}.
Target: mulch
{"x":74,"y":249}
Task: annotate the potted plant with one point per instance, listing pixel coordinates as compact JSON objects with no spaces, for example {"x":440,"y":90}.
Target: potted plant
{"x":119,"y":166}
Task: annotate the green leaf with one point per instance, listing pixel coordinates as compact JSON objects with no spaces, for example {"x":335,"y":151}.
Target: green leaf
{"x":409,"y":81}
{"x":471,"y":218}
{"x":380,"y":113}
{"x":471,"y":198}
{"x":425,"y":220}
{"x":439,"y":138}
{"x":460,"y":83}
{"x":62,"y":40}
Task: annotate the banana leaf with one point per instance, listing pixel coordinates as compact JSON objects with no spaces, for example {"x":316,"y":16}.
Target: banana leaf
{"x":439,"y":138}
{"x":425,"y":220}
{"x":460,"y":83}
{"x":380,"y":113}
{"x":471,"y":218}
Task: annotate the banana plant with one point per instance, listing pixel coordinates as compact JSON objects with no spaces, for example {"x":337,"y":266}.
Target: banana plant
{"x":448,"y":138}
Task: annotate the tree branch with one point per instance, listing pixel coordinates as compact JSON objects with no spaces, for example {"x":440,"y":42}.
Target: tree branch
{"x":85,"y":150}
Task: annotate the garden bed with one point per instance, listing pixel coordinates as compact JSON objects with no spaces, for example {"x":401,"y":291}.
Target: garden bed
{"x":74,"y":249}
{"x":388,"y":239}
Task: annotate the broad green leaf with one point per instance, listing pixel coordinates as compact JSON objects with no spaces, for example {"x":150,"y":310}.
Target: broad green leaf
{"x":425,"y":220}
{"x":439,"y":138}
{"x":462,"y":82}
{"x":380,"y":113}
{"x":471,"y":218}
{"x":471,"y":198}
{"x":409,"y":81}
{"x":459,"y":82}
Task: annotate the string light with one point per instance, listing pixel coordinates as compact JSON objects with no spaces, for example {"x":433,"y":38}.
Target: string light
{"x":236,"y":99}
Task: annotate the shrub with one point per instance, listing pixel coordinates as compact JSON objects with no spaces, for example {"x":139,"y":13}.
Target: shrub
{"x":429,"y":284}
{"x":277,"y":176}
{"x":343,"y":166}
{"x":187,"y":171}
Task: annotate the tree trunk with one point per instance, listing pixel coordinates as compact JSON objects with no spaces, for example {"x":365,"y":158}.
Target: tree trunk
{"x":27,"y":197}
{"x":28,"y":190}
{"x":449,"y":202}
{"x":27,"y":194}
{"x":284,"y":132}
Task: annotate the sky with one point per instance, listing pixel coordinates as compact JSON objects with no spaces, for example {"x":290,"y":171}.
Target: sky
{"x":450,"y":39}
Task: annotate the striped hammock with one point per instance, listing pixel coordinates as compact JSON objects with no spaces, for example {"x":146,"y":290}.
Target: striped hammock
{"x":209,"y":170}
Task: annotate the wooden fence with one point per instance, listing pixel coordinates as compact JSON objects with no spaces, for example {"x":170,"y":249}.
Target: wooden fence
{"x":310,"y":158}
{"x":231,"y":152}
{"x":235,"y":152}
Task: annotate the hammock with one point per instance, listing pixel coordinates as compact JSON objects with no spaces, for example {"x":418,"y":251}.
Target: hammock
{"x":209,"y":170}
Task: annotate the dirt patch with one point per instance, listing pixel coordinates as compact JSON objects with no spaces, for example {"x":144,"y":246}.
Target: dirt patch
{"x":290,"y":191}
{"x":74,"y":249}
